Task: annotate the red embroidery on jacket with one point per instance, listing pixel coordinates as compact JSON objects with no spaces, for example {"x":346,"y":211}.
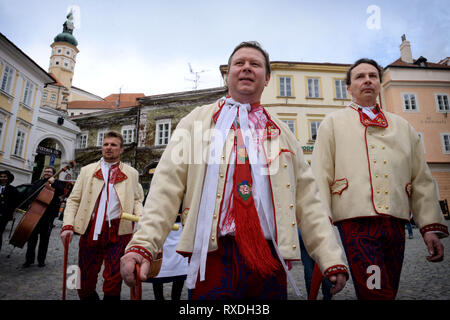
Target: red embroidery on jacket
{"x":408,"y":189}
{"x":336,"y":187}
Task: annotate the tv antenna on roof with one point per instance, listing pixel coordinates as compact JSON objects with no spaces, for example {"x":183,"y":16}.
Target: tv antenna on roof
{"x":196,"y":76}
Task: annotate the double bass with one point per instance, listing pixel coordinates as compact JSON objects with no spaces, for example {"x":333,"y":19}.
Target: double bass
{"x":35,"y":211}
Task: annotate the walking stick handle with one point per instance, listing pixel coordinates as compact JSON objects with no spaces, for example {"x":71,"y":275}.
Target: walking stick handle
{"x":136,"y":291}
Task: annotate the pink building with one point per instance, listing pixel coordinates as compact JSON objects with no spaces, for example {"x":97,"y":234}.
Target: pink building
{"x":419,"y":91}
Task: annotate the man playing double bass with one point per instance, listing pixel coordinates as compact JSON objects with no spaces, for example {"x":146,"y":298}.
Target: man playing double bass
{"x":44,"y":227}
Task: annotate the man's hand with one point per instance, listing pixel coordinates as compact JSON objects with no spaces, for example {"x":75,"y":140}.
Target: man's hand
{"x":51,"y":180}
{"x":338,"y":280}
{"x":128,"y":265}
{"x":65,"y":234}
{"x":434,"y":246}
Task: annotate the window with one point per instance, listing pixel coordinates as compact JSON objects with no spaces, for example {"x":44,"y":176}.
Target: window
{"x":313,"y":88}
{"x":100,"y":136}
{"x":1,"y":131}
{"x":53,"y":97}
{"x":314,"y":128}
{"x":409,"y":102}
{"x":128,"y":134}
{"x":20,"y":143}
{"x":162,"y":132}
{"x":285,"y":86}
{"x":45,"y":95}
{"x":341,"y":89}
{"x":291,"y":124}
{"x":445,"y":142}
{"x":28,"y":93}
{"x":82,"y":141}
{"x":442,"y":103}
{"x":7,"y":79}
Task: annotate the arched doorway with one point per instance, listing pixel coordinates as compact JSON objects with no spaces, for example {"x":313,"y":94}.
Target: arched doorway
{"x":48,"y":153}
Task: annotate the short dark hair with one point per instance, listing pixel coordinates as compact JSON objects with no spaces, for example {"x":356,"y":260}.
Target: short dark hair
{"x":372,"y":62}
{"x":114,"y":134}
{"x":254,"y":45}
{"x":52,"y":168}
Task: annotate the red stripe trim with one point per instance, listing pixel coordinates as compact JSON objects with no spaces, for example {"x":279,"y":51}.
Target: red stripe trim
{"x":142,"y":251}
{"x":434,"y":227}
{"x":67,"y":227}
{"x":340,"y":268}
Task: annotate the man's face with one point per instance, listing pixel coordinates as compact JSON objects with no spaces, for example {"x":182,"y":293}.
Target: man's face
{"x":247,"y":77}
{"x":111,"y":149}
{"x":3,"y":179}
{"x":47,"y":173}
{"x":365,"y":84}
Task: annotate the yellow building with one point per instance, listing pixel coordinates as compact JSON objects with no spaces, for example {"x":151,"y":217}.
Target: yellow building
{"x":22,"y":84}
{"x":419,"y":91}
{"x":302,"y":93}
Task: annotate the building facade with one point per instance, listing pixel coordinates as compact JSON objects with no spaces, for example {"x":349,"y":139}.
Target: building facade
{"x":301,"y":94}
{"x":146,"y":127}
{"x":419,"y":91}
{"x":21,"y":88}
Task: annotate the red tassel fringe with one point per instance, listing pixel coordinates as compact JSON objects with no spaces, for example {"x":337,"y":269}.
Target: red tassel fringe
{"x":250,"y":240}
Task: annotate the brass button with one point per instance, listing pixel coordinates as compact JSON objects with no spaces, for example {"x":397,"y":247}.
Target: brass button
{"x":213,"y":238}
{"x":374,"y":161}
{"x":285,"y":165}
{"x":291,"y":206}
{"x":288,"y":185}
{"x":385,"y":175}
{"x":294,"y":246}
{"x":378,"y":191}
{"x":387,"y":207}
{"x":376,"y":176}
{"x":215,"y":216}
{"x":218,"y":195}
{"x":293,"y":223}
{"x":383,"y":147}
{"x":221,"y":175}
{"x":386,"y":192}
{"x":372,"y":146}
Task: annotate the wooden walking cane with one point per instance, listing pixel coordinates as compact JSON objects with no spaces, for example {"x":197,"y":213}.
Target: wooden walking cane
{"x":136,"y":291}
{"x":66,"y":252}
{"x":315,"y":283}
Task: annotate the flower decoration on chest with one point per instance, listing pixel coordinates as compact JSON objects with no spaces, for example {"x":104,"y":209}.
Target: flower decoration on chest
{"x":244,"y":189}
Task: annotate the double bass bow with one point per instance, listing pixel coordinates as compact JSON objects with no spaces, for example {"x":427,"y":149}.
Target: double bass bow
{"x":35,"y":211}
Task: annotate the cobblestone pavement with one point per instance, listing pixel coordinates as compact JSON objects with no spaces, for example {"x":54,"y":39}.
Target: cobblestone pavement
{"x":420,"y":279}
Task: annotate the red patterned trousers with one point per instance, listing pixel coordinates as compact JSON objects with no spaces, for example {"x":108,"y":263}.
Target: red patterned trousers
{"x":109,"y":248}
{"x":375,"y":249}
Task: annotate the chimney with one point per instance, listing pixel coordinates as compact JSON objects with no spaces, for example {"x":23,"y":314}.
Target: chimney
{"x":405,"y":51}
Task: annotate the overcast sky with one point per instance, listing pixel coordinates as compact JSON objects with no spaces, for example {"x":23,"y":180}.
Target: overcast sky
{"x":145,"y":46}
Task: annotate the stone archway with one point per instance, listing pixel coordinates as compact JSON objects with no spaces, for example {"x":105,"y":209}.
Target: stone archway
{"x":50,"y":151}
